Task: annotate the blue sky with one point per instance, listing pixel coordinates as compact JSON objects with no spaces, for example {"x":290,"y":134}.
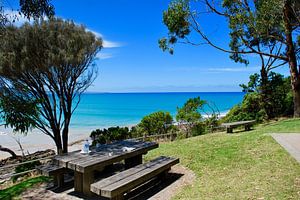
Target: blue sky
{"x":132,"y":61}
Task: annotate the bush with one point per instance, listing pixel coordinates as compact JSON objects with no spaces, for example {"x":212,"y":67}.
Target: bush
{"x":108,"y":135}
{"x":272,"y":100}
{"x":198,"y":129}
{"x":156,"y":123}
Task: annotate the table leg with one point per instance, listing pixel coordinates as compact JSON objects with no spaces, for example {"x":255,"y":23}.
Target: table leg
{"x":88,"y":178}
{"x":78,"y":181}
{"x":59,"y":180}
{"x":229,"y":130}
{"x":131,"y":162}
{"x":83,"y":181}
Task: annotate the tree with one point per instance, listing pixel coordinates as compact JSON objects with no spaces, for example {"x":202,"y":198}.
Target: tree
{"x":30,"y":9}
{"x":156,"y":123}
{"x":45,"y":66}
{"x":267,"y":28}
{"x":190,"y":114}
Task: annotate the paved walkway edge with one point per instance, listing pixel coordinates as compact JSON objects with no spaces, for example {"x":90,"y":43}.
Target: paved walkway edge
{"x":285,"y":140}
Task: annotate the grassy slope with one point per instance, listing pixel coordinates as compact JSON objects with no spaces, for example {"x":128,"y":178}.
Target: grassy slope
{"x":17,"y":189}
{"x":244,"y":165}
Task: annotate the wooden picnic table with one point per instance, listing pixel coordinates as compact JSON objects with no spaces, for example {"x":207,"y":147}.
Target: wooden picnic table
{"x":84,"y":165}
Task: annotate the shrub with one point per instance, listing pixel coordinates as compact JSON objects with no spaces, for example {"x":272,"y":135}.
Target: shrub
{"x":108,"y":135}
{"x":198,"y":129}
{"x":156,"y":123}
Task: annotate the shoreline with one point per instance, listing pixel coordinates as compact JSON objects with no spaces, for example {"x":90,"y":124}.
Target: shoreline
{"x":35,"y":140}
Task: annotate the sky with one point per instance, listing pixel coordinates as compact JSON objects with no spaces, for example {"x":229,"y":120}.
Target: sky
{"x":131,"y":60}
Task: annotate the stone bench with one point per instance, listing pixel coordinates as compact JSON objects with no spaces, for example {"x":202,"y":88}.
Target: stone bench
{"x":246,"y":124}
{"x":115,"y":186}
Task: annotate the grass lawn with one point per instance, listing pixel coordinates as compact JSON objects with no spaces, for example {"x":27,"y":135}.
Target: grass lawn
{"x":244,"y":165}
{"x":17,"y":189}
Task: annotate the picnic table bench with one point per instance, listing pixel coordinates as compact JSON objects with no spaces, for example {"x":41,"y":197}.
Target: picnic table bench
{"x":84,"y":165}
{"x":246,"y":124}
{"x":115,"y":186}
{"x":53,"y":170}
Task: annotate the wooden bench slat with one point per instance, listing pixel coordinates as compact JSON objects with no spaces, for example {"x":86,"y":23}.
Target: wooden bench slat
{"x":50,"y":170}
{"x":131,"y":181}
{"x":117,"y":177}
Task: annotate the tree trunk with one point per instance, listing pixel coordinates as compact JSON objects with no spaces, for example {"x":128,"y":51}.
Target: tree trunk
{"x":265,"y":92}
{"x":292,"y":60}
{"x":11,"y":152}
{"x":57,"y":140}
{"x":65,"y":139}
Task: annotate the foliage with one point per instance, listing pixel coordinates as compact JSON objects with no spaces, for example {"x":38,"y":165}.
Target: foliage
{"x":18,"y":112}
{"x":275,"y":102}
{"x":14,"y":191}
{"x":267,"y":28}
{"x":249,"y":160}
{"x":198,"y":128}
{"x":189,"y":114}
{"x":25,"y":167}
{"x":249,"y":109}
{"x":111,"y":134}
{"x":48,"y":65}
{"x":156,"y":123}
{"x":30,"y":9}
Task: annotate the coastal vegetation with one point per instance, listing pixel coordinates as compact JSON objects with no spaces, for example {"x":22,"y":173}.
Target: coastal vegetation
{"x":266,"y":28}
{"x":246,"y":165}
{"x":275,"y":102}
{"x":45,"y":67}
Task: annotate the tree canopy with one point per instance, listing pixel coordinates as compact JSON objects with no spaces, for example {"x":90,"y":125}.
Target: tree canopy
{"x":46,"y":65}
{"x":268,"y":28}
{"x":156,"y":123}
{"x":30,"y":9}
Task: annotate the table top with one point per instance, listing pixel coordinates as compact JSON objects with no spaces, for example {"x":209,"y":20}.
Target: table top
{"x":104,"y":155}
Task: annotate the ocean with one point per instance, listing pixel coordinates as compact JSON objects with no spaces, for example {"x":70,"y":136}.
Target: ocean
{"x":100,"y":110}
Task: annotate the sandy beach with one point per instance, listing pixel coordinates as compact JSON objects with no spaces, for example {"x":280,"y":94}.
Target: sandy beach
{"x":36,"y":140}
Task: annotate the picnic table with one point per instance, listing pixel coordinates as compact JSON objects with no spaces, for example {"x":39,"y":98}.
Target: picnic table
{"x":230,"y":126}
{"x":84,"y":165}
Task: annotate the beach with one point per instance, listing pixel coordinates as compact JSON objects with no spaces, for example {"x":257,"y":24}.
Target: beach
{"x":101,"y":110}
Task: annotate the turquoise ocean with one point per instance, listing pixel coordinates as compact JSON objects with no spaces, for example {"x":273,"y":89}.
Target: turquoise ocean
{"x":102,"y":110}
{"x":98,"y":110}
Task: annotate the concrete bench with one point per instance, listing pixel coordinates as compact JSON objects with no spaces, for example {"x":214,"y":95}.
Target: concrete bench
{"x":115,"y":186}
{"x":246,"y":124}
{"x":53,"y":170}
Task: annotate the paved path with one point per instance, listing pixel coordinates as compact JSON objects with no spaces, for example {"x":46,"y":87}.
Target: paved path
{"x":291,"y":142}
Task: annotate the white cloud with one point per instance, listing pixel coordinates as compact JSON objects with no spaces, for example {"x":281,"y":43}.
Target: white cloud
{"x":106,"y":43}
{"x":202,"y":69}
{"x":234,"y":69}
{"x":103,"y":56}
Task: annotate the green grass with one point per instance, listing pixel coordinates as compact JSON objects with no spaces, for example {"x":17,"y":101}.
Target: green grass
{"x":16,"y":190}
{"x":244,"y":165}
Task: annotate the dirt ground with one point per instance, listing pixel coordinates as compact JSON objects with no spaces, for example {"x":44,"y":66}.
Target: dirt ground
{"x":176,"y":180}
